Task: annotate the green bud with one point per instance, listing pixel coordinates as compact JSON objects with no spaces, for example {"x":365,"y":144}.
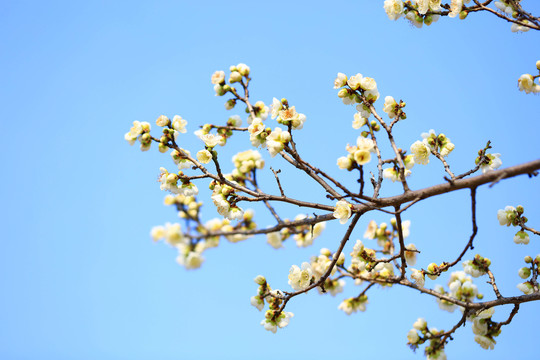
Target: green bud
{"x":163,"y":140}
{"x":463,"y":14}
{"x":162,"y":148}
{"x":377,"y":127}
{"x":524,"y":219}
{"x":538,"y":64}
{"x":479,"y":296}
{"x":520,"y":209}
{"x":341,"y":93}
{"x":232,"y":68}
{"x":229,"y":105}
{"x":537,"y":259}
{"x":235,"y":77}
{"x":428,"y":20}
{"x":524,"y":272}
{"x":527,"y":259}
{"x":226,"y":88}
{"x":515,"y":14}
{"x":364,"y":133}
{"x":403,"y":116}
{"x":260,"y":280}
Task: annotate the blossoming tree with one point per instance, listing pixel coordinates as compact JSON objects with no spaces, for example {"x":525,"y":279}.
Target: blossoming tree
{"x":391,"y":262}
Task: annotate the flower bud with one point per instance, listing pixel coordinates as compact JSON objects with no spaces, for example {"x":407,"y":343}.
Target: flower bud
{"x":260,"y":280}
{"x":538,"y":64}
{"x":326,"y":252}
{"x":527,"y":259}
{"x":479,"y":296}
{"x":341,"y":93}
{"x":364,"y":133}
{"x":235,"y":77}
{"x":162,"y":148}
{"x":229,"y":104}
{"x":524,"y":272}
{"x":428,"y":20}
{"x":463,"y":15}
{"x":520,"y":209}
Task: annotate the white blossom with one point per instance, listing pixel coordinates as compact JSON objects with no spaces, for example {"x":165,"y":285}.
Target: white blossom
{"x":526,"y":288}
{"x":418,"y":277}
{"x":204,"y":156}
{"x":485,"y":342}
{"x":257,"y":302}
{"x":274,"y":239}
{"x":421,"y":152}
{"x":340,"y":81}
{"x":342,"y":211}
{"x":412,"y":336}
{"x":494,"y":163}
{"x":420,"y":324}
{"x":393,"y":8}
{"x":506,"y":216}
{"x":300,"y":278}
{"x":218,"y":77}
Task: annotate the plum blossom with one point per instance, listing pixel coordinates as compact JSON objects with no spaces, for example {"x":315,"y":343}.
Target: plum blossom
{"x":342,"y":211}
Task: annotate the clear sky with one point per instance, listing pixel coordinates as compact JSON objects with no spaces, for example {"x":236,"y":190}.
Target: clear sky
{"x":80,"y":276}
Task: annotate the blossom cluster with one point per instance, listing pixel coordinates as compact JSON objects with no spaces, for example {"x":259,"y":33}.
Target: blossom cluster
{"x":461,"y":287}
{"x":245,"y":162}
{"x":365,"y":265}
{"x":359,"y":155}
{"x":274,"y":318}
{"x":139,"y":131}
{"x":187,"y":206}
{"x":420,"y":334}
{"x":514,"y":216}
{"x":477,"y":266}
{"x":531,"y":271}
{"x":420,"y":12}
{"x":189,"y":254}
{"x":526,"y":82}
{"x":224,"y":198}
{"x":357,"y":89}
{"x":169,"y":182}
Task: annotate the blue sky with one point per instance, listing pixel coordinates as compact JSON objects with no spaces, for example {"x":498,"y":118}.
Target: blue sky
{"x":81,"y":278}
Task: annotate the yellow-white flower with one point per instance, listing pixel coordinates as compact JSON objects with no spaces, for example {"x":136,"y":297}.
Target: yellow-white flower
{"x":485,"y":342}
{"x":342,"y":211}
{"x":354,"y":81}
{"x":300,"y":279}
{"x":358,"y":121}
{"x":389,"y":106}
{"x":204,"y":156}
{"x":179,"y":124}
{"x":344,"y":162}
{"x":455,"y":8}
{"x":274,"y":239}
{"x":393,"y":8}
{"x":340,"y":81}
{"x":210,"y":140}
{"x":218,"y":77}
{"x":421,"y":152}
{"x":418,"y":277}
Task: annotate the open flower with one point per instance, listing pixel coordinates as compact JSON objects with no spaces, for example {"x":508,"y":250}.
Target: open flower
{"x":342,"y":211}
